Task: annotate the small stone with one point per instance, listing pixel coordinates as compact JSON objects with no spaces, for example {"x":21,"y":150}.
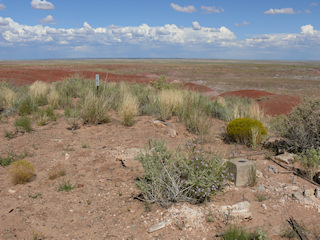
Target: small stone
{"x":259,"y":174}
{"x":171,"y":132}
{"x":264,"y":206}
{"x":286,"y":157}
{"x":293,"y":188}
{"x":67,"y":156}
{"x":272,"y":168}
{"x":298,"y":196}
{"x":308,"y":192}
{"x":317,"y":193}
{"x":157,"y":227}
{"x":11,"y":191}
{"x":261,"y":188}
{"x":294,"y":180}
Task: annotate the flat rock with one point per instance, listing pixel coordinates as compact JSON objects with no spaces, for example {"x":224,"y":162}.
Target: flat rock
{"x":238,"y":211}
{"x":156,"y":227}
{"x":286,"y":157}
{"x":272,"y":168}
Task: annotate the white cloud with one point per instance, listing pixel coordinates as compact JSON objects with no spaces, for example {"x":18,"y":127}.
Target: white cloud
{"x":212,"y":9}
{"x":281,"y":11}
{"x":244,"y":23}
{"x":2,"y":6}
{"x":196,"y":26}
{"x":3,"y":22}
{"x":313,"y":4}
{"x":42,"y":5}
{"x":47,"y":20}
{"x":307,"y":11}
{"x":186,"y":9}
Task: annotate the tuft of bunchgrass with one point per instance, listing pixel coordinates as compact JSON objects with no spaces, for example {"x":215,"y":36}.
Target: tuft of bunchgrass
{"x":239,"y":233}
{"x":7,"y":97}
{"x":24,"y":124}
{"x":94,"y":109}
{"x":170,"y":103}
{"x":66,"y":186}
{"x":53,"y":98}
{"x":57,"y":171}
{"x":26,"y":106}
{"x":38,"y":92}
{"x":21,"y":172}
{"x":128,"y":109}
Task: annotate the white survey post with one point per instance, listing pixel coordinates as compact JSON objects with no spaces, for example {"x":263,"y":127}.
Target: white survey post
{"x":97,"y":80}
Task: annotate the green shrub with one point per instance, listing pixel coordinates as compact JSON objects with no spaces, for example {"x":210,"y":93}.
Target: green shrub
{"x":24,"y":123}
{"x":238,"y":233}
{"x":170,"y":176}
{"x":65,"y":186}
{"x":21,"y":171}
{"x":26,"y":106}
{"x":38,"y":92}
{"x":302,"y":126}
{"x":246,"y":130}
{"x":162,"y":84}
{"x":310,"y":159}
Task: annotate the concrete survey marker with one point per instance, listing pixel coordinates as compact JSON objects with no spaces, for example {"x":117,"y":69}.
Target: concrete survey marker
{"x":242,"y":170}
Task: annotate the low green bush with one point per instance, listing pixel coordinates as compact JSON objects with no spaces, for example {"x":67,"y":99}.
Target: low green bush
{"x":24,"y":123}
{"x":26,"y":106}
{"x":239,"y":233}
{"x":310,"y":159}
{"x":301,"y":127}
{"x":191,"y":176}
{"x":246,"y":130}
{"x":94,"y":109}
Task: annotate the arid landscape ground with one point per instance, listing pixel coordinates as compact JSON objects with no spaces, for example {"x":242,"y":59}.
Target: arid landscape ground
{"x":100,"y":159}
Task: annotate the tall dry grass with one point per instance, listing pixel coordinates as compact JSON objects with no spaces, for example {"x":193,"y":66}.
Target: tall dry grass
{"x":7,"y":97}
{"x":128,"y":109}
{"x":53,"y":98}
{"x":170,"y":102}
{"x":38,"y":92}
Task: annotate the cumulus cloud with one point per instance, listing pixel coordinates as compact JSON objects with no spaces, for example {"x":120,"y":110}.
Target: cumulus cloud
{"x":3,"y":22}
{"x":170,"y":34}
{"x":281,"y":11}
{"x":212,"y":9}
{"x":2,"y":6}
{"x":307,"y":11}
{"x":186,"y":9}
{"x":313,"y":4}
{"x":196,"y":26}
{"x":47,"y":20}
{"x":42,"y":5}
{"x":244,"y":23}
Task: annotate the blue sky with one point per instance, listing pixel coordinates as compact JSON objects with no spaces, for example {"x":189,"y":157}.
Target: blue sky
{"x":229,"y":29}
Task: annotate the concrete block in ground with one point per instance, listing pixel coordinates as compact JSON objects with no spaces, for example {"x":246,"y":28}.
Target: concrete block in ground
{"x":242,"y":170}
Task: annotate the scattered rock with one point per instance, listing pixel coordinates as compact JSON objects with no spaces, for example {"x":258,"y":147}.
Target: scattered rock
{"x":156,"y":227}
{"x":259,"y":174}
{"x":67,"y":156}
{"x":286,"y":157}
{"x":317,"y":193}
{"x":298,"y":196}
{"x":261,"y":188}
{"x":272,"y":168}
{"x":293,"y":188}
{"x":294,"y":180}
{"x":238,"y":211}
{"x":308,"y":192}
{"x":159,"y":123}
{"x":171,"y":132}
{"x":12,"y":191}
{"x":264,"y":206}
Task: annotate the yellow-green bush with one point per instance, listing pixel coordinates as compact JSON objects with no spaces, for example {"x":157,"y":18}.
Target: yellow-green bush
{"x":246,"y":130}
{"x":21,"y":172}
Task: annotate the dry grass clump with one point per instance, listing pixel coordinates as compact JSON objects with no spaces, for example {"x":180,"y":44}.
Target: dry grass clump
{"x":53,"y":98}
{"x":255,"y":112}
{"x":21,"y":172}
{"x":57,"y":171}
{"x":170,"y":101}
{"x":38,"y":92}
{"x":7,"y":97}
{"x":94,"y":109}
{"x":128,"y":109}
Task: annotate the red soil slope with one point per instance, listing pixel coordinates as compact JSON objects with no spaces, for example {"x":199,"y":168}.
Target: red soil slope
{"x":273,"y":104}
